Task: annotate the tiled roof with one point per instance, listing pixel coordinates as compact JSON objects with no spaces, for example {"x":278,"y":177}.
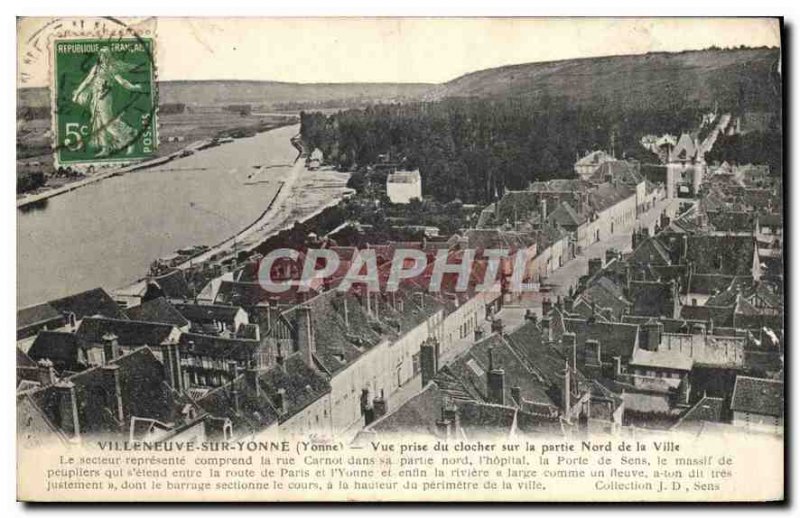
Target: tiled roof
{"x":605,"y":293}
{"x":620,"y":170}
{"x":128,"y":332}
{"x":302,"y":384}
{"x":339,"y":343}
{"x":607,"y":194}
{"x":731,"y":221}
{"x":481,"y":420}
{"x":89,"y":303}
{"x":722,"y":316}
{"x":616,"y":339}
{"x":218,"y":346}
{"x":144,"y":394}
{"x":256,"y":412}
{"x":23,"y":360}
{"x":594,"y":158}
{"x":757,"y":396}
{"x":482,"y":239}
{"x":204,"y":313}
{"x":173,"y":284}
{"x":708,"y":409}
{"x":709,"y":284}
{"x":472,"y":368}
{"x":39,"y":314}
{"x":565,"y":216}
{"x":418,"y":415}
{"x":663,"y":358}
{"x":62,"y":348}
{"x":157,"y":310}
{"x":653,"y":299}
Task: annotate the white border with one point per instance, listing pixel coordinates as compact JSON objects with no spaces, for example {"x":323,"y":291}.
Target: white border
{"x":352,"y":8}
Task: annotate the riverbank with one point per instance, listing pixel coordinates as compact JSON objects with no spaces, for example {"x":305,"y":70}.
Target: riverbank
{"x":188,"y":150}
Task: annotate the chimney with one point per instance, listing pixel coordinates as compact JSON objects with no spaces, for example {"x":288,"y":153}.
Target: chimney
{"x":251,"y":375}
{"x":617,"y":366}
{"x":305,"y":334}
{"x":547,"y":306}
{"x":420,"y":299}
{"x":497,"y":325}
{"x":377,"y":304}
{"x":68,"y":408}
{"x":47,"y":374}
{"x":684,"y":247}
{"x":367,"y":300}
{"x":710,"y":326}
{"x":279,"y":358}
{"x":595,"y":265}
{"x":448,"y":426}
{"x":171,"y":358}
{"x":237,"y":404}
{"x":233,"y":370}
{"x":379,"y":406}
{"x":611,"y":254}
{"x":570,"y":347}
{"x":591,"y":352}
{"x":543,"y":208}
{"x":547,"y":329}
{"x":516,"y":395}
{"x":70,"y":317}
{"x":429,"y":361}
{"x":366,"y":407}
{"x":112,"y":384}
{"x":653,"y":329}
{"x":280,"y":401}
{"x":110,"y":347}
{"x":495,"y":383}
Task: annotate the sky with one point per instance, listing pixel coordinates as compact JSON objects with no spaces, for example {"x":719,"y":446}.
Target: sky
{"x":430,"y":50}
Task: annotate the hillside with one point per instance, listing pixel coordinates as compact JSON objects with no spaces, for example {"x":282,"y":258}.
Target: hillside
{"x":270,"y":94}
{"x":634,"y":82}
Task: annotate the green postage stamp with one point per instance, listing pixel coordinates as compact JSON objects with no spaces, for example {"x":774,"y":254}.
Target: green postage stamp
{"x":104,"y":99}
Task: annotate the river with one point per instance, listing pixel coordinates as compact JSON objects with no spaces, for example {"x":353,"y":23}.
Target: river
{"x":107,"y":233}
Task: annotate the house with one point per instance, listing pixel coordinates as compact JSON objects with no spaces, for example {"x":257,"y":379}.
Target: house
{"x":706,"y":410}
{"x":65,"y":312}
{"x":103,"y":338}
{"x":211,"y":360}
{"x":654,"y":298}
{"x":32,"y":319}
{"x":590,"y":162}
{"x":368,"y":345}
{"x":686,"y":168}
{"x":213,"y":318}
{"x":314,"y":160}
{"x":105,"y":399}
{"x":160,"y":311}
{"x":757,"y":404}
{"x":290,"y":398}
{"x":404,"y":186}
{"x":61,"y":348}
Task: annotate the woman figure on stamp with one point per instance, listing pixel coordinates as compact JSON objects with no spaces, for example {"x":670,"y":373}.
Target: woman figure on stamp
{"x":108,"y":132}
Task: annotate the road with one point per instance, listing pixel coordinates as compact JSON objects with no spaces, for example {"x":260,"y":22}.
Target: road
{"x":570,"y":273}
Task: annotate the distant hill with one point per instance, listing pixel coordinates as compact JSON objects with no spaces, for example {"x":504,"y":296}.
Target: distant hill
{"x":266,"y":93}
{"x":729,"y":77}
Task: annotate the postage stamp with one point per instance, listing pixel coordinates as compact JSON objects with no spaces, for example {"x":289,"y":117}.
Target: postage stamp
{"x":105,"y":100}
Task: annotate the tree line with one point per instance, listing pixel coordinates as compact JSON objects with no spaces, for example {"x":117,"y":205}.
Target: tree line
{"x":472,"y":150}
